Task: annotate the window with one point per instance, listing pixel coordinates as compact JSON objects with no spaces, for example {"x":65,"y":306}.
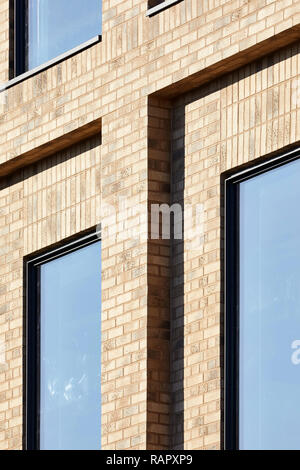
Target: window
{"x":63,"y":348}
{"x":262,"y":334}
{"x":155,"y":6}
{"x":154,"y":3}
{"x":45,"y":29}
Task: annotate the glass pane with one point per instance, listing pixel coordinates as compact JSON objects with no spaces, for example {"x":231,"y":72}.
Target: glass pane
{"x":269,"y":411}
{"x":57,"y":26}
{"x":70,"y":394}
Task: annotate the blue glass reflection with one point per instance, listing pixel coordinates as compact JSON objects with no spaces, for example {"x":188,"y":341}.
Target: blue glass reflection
{"x":57,"y":26}
{"x":70,"y":387}
{"x":269,"y":412}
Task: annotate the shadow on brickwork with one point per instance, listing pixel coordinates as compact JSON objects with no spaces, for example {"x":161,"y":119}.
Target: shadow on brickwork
{"x":177,"y":283}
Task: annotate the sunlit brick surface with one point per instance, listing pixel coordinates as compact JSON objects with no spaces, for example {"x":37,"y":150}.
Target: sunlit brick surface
{"x":176,"y":107}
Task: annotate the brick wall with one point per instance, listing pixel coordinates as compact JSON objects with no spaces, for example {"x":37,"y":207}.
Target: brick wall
{"x":158,"y":315}
{"x":123,"y":181}
{"x":133,"y":61}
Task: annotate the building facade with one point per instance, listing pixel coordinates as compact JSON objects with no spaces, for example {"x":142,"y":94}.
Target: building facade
{"x":168,"y":101}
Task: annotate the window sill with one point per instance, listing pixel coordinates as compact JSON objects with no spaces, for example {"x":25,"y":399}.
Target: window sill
{"x":161,"y":7}
{"x":50,"y":63}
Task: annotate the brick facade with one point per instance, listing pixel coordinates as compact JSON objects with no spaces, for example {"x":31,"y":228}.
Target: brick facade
{"x":156,"y":112}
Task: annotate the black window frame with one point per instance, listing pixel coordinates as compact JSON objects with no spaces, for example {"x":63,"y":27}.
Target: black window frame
{"x":231,"y":288}
{"x":31,"y":337}
{"x":19,"y":44}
